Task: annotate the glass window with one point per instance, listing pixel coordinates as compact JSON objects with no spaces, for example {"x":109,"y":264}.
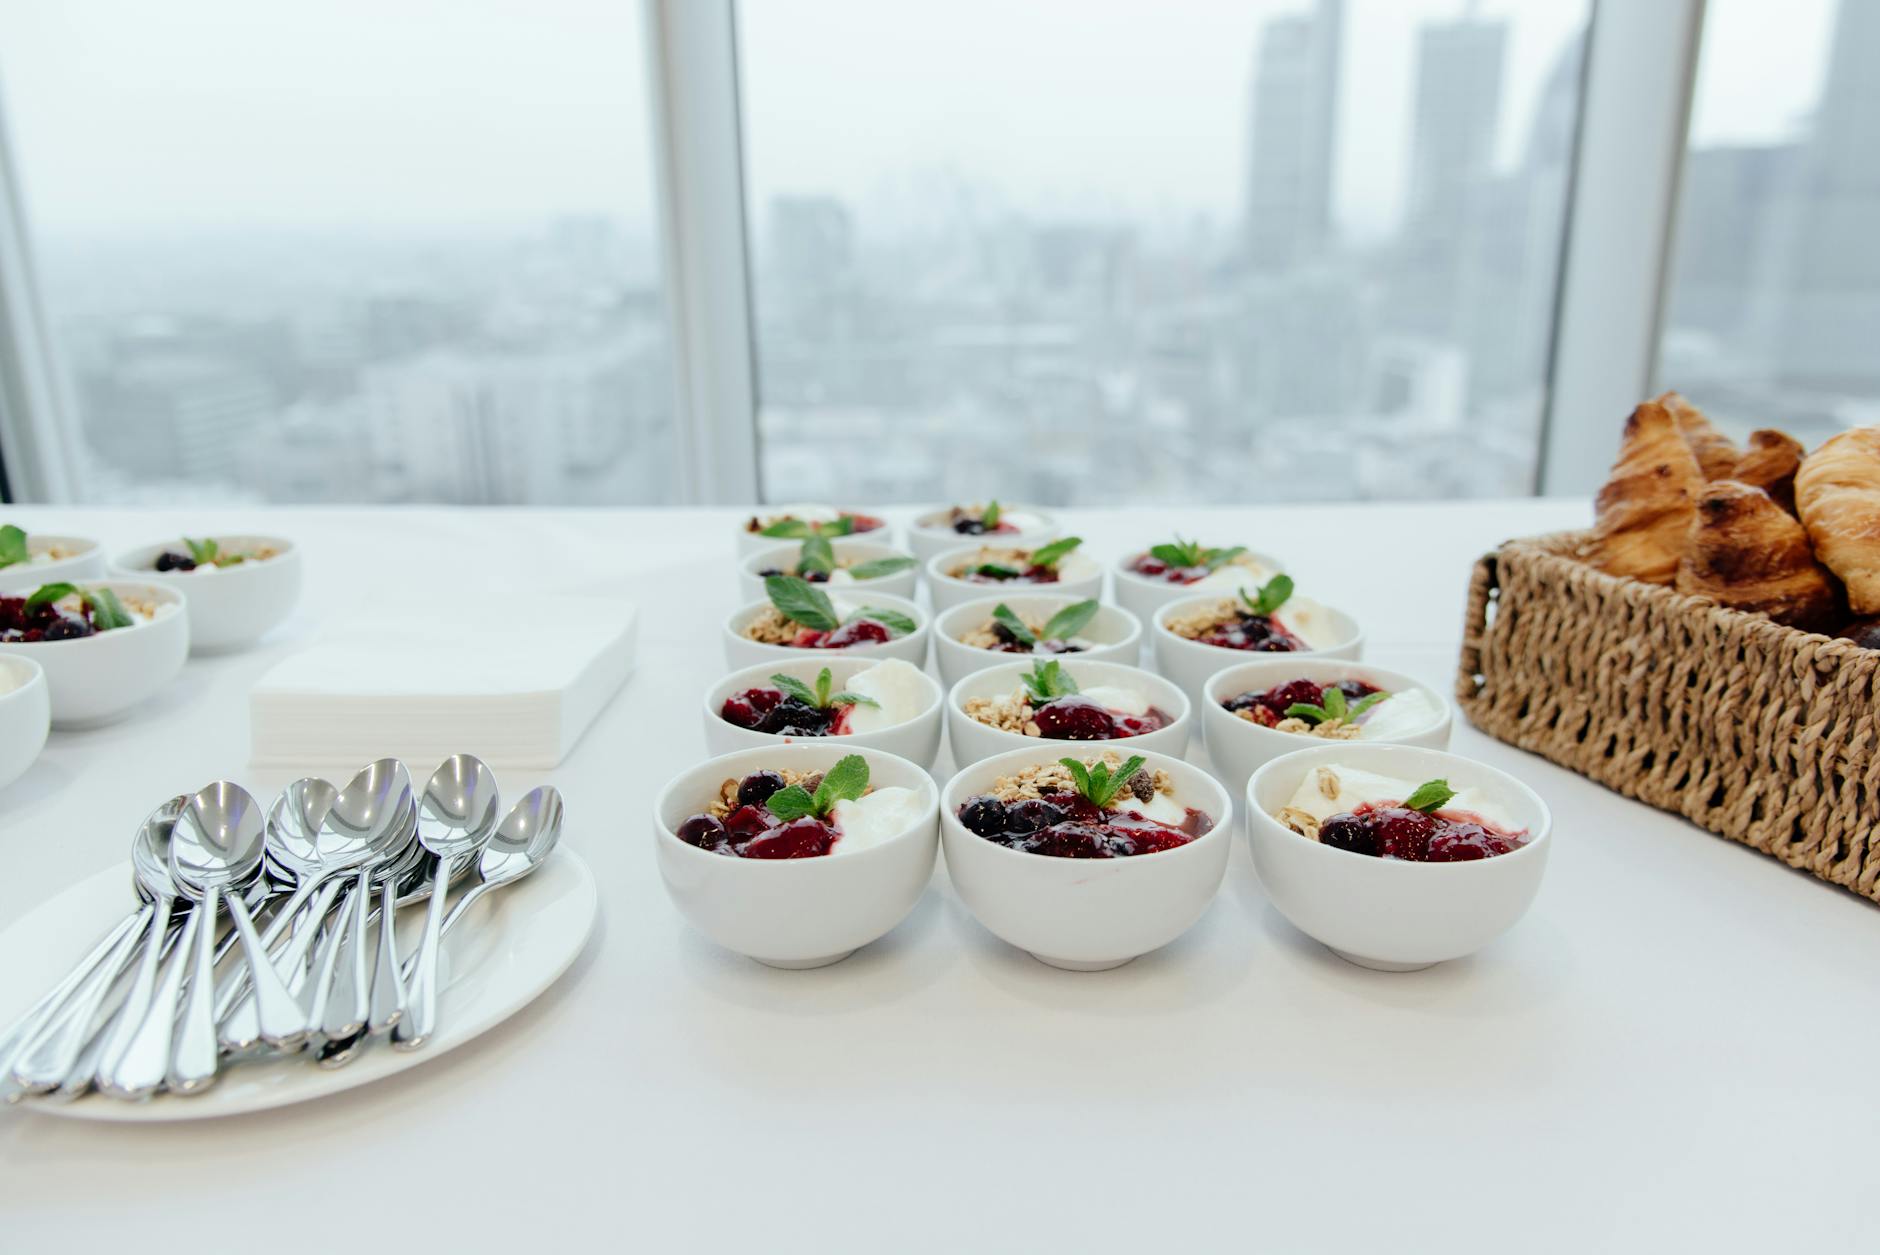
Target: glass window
{"x":349,"y":250}
{"x":1773,"y":312}
{"x":1091,"y":253}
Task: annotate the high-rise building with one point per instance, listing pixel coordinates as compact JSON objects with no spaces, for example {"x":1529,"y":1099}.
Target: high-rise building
{"x":1294,"y":130}
{"x":1458,"y":102}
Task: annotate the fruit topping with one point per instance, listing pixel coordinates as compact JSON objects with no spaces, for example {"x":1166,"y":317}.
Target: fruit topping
{"x":1416,"y":829}
{"x":1048,"y":704}
{"x":789,"y":527}
{"x":1331,"y":711}
{"x":62,"y":612}
{"x":1077,"y":809}
{"x":801,"y":616}
{"x":778,"y":814}
{"x":793,"y":708}
{"x":1016,"y":566}
{"x":1007,"y":632}
{"x":1187,"y":561}
{"x":1243,"y":622}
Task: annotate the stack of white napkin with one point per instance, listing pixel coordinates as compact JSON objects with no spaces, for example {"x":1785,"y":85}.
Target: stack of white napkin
{"x":419,"y":686}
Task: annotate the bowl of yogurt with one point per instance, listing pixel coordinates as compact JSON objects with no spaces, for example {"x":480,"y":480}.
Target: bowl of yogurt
{"x":969,"y":573}
{"x":772,"y":525}
{"x":1197,"y":636}
{"x":115,"y":644}
{"x":975,"y":635}
{"x":1071,"y":702}
{"x":1216,"y":568}
{"x":25,"y":715}
{"x":30,"y":559}
{"x":864,"y":566}
{"x":937,"y":531}
{"x":825,"y":624}
{"x":1245,"y":709}
{"x":1396,"y":857}
{"x":808,"y":883}
{"x":874,"y":703}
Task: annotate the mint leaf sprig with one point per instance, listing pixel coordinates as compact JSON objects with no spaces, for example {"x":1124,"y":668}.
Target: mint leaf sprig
{"x":820,"y":697}
{"x":13,"y":546}
{"x":817,"y":554}
{"x":800,"y":601}
{"x":1098,"y":783}
{"x":107,"y":612}
{"x":793,"y":528}
{"x":844,"y":782}
{"x":1430,"y":796}
{"x":878,"y":567}
{"x":1333,"y":705}
{"x":989,"y":519}
{"x":1047,"y":681}
{"x":1061,"y":626}
{"x":1270,"y":596}
{"x":1192,"y":553}
{"x":208,"y":553}
{"x":1055,"y":552}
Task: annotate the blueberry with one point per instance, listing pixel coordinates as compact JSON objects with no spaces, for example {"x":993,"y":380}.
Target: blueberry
{"x":756,"y":788}
{"x":983,"y":815}
{"x":702,"y":831}
{"x":1032,"y":815}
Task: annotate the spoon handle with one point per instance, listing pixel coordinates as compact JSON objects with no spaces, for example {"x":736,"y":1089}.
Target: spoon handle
{"x":456,"y":913}
{"x":346,"y":1004}
{"x":137,"y":1002}
{"x":24,"y":1029}
{"x":47,"y":1058}
{"x":236,"y":985}
{"x":139,"y":1068}
{"x":388,"y":981}
{"x":241,"y":1026}
{"x":193,"y":1055}
{"x":278,"y":1014}
{"x":420,"y":1020}
{"x":314,"y":996}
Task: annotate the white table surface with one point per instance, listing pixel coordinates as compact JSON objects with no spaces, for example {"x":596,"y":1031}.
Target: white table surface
{"x":1670,"y":1052}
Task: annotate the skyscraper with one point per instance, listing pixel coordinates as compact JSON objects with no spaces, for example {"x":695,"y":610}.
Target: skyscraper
{"x":1294,"y":133}
{"x":1458,"y":102}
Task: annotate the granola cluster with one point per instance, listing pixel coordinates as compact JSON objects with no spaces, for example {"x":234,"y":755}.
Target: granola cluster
{"x":772,"y":627}
{"x":987,"y":555}
{"x":1011,"y":713}
{"x":1199,"y":622}
{"x":1330,"y":730}
{"x":1302,"y":822}
{"x":1044,"y":779}
{"x":983,"y":637}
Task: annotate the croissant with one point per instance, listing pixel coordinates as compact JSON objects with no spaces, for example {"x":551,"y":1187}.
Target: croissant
{"x":1747,"y":552}
{"x":1837,"y":494}
{"x":1770,"y":464}
{"x":1716,"y":456}
{"x":1643,"y":514}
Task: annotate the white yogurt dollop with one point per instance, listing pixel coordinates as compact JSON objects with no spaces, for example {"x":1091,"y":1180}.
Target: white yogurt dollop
{"x":899,"y":686}
{"x":868,"y":821}
{"x":1311,"y":622}
{"x":1404,"y":713}
{"x":1162,"y":808}
{"x":1117,"y":697}
{"x":1353,"y":787}
{"x":1236,"y":575}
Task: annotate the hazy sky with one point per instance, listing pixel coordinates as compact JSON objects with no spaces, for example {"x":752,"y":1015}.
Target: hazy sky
{"x":446,"y":113}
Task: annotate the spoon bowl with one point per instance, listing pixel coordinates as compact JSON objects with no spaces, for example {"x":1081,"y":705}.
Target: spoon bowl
{"x":458,"y":810}
{"x":524,"y":839}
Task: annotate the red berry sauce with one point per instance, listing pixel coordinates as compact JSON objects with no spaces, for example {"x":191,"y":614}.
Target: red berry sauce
{"x":1400,"y":833}
{"x":858,"y":523}
{"x":1077,"y":718}
{"x":1147,"y":564}
{"x":751,"y":831}
{"x":768,"y":710}
{"x":1068,"y":825}
{"x":856,"y":632}
{"x":20,"y":623}
{"x":998,"y":573}
{"x":1269,"y":706}
{"x":1257,"y":633}
{"x":967,"y":523}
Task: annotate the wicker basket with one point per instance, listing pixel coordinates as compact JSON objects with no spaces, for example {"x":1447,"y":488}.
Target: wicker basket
{"x":1759,"y":733}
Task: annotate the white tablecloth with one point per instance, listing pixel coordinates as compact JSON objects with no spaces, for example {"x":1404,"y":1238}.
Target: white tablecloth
{"x":1670,"y":1052}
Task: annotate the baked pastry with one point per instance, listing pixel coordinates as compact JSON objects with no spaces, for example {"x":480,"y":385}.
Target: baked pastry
{"x":1770,"y":464}
{"x":1642,"y":516}
{"x":1837,"y":494}
{"x":1747,"y":552}
{"x":1716,"y":455}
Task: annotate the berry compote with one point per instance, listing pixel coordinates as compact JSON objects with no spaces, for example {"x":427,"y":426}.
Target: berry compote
{"x":857,"y":523}
{"x":855,"y":632}
{"x":1416,"y":836}
{"x":751,"y":831}
{"x":768,"y":710}
{"x":966,"y":523}
{"x":1007,"y":642}
{"x":1258,"y":633}
{"x":1152,"y":567}
{"x":813,"y":575}
{"x":1000,"y":573}
{"x":1269,"y":706}
{"x":43,"y":622}
{"x":1068,"y":825}
{"x":169,"y":560}
{"x":1074,"y":717}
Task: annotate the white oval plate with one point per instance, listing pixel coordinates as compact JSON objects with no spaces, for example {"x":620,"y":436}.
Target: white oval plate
{"x":520,"y":940}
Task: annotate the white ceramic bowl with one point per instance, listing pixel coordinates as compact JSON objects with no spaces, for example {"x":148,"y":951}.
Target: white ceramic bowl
{"x":929,"y":535}
{"x":750,"y":542}
{"x":1237,"y":748}
{"x":1142,"y":596}
{"x":794,"y":913}
{"x":1192,"y":664}
{"x":1079,"y":577}
{"x":741,"y":651}
{"x":783,"y":558}
{"x":25,"y":716}
{"x":972,"y":740}
{"x":918,"y":739}
{"x":1388,"y":914}
{"x":85,"y":561}
{"x":229,"y":607}
{"x":1117,"y":635}
{"x":97,"y":679}
{"x":1086,"y":915}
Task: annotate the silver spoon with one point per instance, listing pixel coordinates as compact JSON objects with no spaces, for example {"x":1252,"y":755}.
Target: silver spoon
{"x":455,"y":818}
{"x":136,"y":1019}
{"x":521,"y":843}
{"x":349,"y":1005}
{"x":47,"y":1059}
{"x":217,"y":845}
{"x":374,"y":818}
